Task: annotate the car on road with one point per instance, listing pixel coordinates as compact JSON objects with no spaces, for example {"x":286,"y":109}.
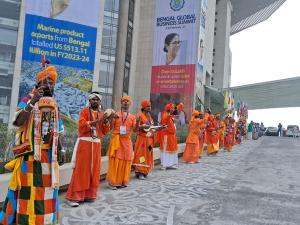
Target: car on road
{"x":291,"y":129}
{"x":271,"y":131}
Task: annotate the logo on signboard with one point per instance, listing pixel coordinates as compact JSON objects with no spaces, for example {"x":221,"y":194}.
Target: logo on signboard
{"x":177,"y":5}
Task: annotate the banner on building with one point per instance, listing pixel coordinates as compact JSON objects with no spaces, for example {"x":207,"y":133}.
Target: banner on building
{"x":175,"y":53}
{"x":65,"y":32}
{"x":200,"y":62}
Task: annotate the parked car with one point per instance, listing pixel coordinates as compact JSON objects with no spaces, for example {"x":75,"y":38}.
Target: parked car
{"x":291,"y":129}
{"x":271,"y":131}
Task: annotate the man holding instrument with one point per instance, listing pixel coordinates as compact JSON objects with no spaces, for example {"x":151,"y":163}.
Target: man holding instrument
{"x":93,"y":124}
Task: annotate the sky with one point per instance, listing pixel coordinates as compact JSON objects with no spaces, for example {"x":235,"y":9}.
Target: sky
{"x":269,"y":51}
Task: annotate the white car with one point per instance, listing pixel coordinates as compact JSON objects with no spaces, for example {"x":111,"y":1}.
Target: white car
{"x":291,"y":129}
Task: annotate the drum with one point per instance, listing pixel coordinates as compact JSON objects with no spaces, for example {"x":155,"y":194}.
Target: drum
{"x":47,"y":104}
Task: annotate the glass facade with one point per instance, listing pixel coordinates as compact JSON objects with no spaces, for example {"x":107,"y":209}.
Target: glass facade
{"x":108,"y":50}
{"x":9,"y":20}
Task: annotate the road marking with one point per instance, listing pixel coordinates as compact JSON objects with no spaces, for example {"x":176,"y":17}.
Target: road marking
{"x":183,"y":210}
{"x":171,"y":215}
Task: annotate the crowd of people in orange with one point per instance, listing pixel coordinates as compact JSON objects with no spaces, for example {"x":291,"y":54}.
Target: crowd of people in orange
{"x":32,"y":196}
{"x":204,"y":128}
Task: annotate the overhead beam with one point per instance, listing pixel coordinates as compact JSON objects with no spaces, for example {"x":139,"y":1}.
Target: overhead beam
{"x":274,"y":94}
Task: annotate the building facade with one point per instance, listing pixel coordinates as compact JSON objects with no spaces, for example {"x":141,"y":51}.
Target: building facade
{"x":124,"y":58}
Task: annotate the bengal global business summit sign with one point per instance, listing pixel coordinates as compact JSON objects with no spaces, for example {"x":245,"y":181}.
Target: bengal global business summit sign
{"x":177,"y":63}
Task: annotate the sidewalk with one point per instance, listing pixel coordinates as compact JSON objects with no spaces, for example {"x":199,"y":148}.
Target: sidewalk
{"x":162,"y":197}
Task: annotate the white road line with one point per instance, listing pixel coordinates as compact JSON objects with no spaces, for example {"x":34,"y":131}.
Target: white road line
{"x":171,"y":215}
{"x":183,"y":210}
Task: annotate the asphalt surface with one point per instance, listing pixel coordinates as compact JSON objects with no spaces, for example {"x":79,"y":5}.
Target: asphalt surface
{"x":258,"y":183}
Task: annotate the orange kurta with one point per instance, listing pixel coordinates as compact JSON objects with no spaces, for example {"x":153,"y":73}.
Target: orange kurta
{"x":192,"y":148}
{"x":229,"y":134}
{"x":86,"y":174}
{"x":212,"y":137}
{"x":120,"y":151}
{"x":222,"y":134}
{"x":168,"y":141}
{"x":143,"y":148}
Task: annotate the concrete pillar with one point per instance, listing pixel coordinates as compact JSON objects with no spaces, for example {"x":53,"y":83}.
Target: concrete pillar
{"x":221,"y":44}
{"x":120,"y":54}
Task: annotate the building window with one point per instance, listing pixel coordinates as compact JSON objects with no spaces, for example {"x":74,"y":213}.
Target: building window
{"x":108,"y":51}
{"x":3,"y":100}
{"x":10,"y":9}
{"x":3,"y":72}
{"x":8,"y":36}
{"x":126,"y":80}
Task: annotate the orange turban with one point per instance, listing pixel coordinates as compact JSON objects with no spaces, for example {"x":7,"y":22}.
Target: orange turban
{"x":126,"y":98}
{"x":195,"y":113}
{"x":48,"y":72}
{"x":145,"y":103}
{"x":169,"y":106}
{"x":180,"y":106}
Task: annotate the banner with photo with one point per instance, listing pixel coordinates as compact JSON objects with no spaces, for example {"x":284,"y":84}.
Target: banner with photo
{"x":65,"y":32}
{"x":200,"y":62}
{"x":175,"y":53}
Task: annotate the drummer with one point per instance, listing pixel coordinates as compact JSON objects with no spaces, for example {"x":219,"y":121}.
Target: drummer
{"x":143,"y":148}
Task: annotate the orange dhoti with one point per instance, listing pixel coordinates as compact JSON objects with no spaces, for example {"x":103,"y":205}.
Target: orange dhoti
{"x":221,"y":141}
{"x":191,"y":153}
{"x":194,"y":141}
{"x":201,"y":146}
{"x":86,"y":174}
{"x":143,"y":154}
{"x":228,"y":142}
{"x":212,"y":144}
{"x":119,"y":164}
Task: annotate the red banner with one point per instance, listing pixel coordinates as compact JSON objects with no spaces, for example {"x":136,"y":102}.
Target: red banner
{"x":173,"y":84}
{"x":173,"y":79}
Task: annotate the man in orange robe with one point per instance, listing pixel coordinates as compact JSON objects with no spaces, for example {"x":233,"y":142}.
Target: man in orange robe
{"x":120,"y":151}
{"x":229,"y":133}
{"x":212,"y":136}
{"x":143,"y":148}
{"x":232,"y":121}
{"x":221,"y":130}
{"x":168,"y":140}
{"x":92,"y":126}
{"x":192,"y":148}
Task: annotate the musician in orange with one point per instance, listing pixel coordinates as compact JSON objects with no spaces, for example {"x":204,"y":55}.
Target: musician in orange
{"x":192,"y":148}
{"x":93,"y":124}
{"x":120,"y":151}
{"x":143,"y":148}
{"x":168,"y":140}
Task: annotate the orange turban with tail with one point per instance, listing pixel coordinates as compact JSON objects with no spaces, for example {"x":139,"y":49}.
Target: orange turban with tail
{"x":145,"y":103}
{"x":48,"y":72}
{"x":126,"y":98}
{"x":169,"y":106}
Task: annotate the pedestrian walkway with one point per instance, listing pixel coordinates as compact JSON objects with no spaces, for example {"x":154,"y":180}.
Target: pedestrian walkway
{"x":165,"y":197}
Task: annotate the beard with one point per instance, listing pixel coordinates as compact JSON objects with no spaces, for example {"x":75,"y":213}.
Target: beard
{"x":48,"y":92}
{"x":95,"y":106}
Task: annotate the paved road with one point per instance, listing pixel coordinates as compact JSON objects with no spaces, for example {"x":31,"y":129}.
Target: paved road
{"x":256,"y":184}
